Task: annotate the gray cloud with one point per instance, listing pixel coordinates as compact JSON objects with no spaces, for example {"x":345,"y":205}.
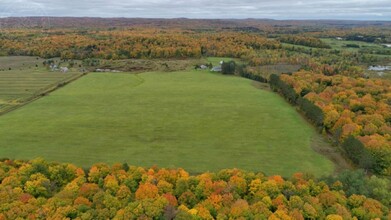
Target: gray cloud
{"x":276,"y":9}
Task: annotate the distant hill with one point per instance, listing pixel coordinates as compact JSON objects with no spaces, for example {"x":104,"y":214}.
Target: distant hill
{"x":245,"y":24}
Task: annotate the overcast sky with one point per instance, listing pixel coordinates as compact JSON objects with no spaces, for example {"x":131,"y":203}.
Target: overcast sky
{"x":274,"y":9}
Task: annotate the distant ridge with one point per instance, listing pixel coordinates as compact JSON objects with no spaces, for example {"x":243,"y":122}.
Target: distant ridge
{"x":96,"y":22}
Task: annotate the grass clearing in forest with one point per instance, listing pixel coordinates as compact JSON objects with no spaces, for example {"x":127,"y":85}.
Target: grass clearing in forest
{"x":190,"y":119}
{"x":344,"y":44}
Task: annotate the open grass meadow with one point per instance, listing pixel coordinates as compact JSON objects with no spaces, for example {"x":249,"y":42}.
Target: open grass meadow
{"x":342,"y":44}
{"x":19,"y":62}
{"x":216,"y":60}
{"x":191,"y":119}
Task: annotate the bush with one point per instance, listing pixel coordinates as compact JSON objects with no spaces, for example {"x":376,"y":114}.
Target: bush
{"x":357,"y":152}
{"x":312,"y":111}
{"x":286,"y":90}
{"x":228,"y":68}
{"x":241,"y":71}
{"x":353,"y":45}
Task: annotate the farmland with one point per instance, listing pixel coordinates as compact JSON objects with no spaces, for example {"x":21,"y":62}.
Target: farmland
{"x":191,"y":119}
{"x":347,"y":44}
{"x":22,"y":81}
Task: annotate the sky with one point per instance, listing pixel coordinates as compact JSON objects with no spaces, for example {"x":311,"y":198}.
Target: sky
{"x":272,"y":9}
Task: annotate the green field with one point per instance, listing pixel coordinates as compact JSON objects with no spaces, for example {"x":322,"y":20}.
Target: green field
{"x":341,"y":44}
{"x":19,"y":62}
{"x":195,"y":120}
{"x":216,"y":60}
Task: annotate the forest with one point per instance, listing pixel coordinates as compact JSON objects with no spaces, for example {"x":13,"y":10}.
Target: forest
{"x":346,"y":107}
{"x":39,"y":190}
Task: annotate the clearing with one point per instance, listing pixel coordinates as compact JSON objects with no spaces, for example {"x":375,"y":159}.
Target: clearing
{"x":191,"y":119}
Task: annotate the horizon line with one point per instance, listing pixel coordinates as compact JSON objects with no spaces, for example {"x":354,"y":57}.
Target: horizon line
{"x":188,"y":18}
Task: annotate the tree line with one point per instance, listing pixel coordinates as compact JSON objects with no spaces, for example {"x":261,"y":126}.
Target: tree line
{"x":40,"y":190}
{"x":304,"y":41}
{"x":355,"y":110}
{"x":134,"y":43}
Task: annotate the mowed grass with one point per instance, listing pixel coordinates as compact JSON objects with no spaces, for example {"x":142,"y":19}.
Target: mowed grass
{"x":23,"y":78}
{"x":19,"y":86}
{"x":195,"y":120}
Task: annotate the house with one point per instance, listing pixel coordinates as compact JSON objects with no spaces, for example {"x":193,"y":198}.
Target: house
{"x":379,"y":68}
{"x":64,"y":69}
{"x":216,"y":69}
{"x":339,"y":38}
{"x":53,"y":67}
{"x":203,"y":67}
{"x":387,"y":45}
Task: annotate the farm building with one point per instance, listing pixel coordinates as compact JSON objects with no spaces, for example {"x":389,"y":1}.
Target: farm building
{"x":203,"y":67}
{"x":64,"y":69}
{"x":53,"y":67}
{"x":379,"y":68}
{"x":216,"y":69}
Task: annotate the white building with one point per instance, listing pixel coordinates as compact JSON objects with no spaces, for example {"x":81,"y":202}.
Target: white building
{"x":64,"y":69}
{"x":216,"y":69}
{"x":203,"y":67}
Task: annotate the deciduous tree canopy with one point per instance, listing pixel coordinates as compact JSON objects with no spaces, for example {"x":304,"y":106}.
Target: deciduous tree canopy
{"x":38,"y":189}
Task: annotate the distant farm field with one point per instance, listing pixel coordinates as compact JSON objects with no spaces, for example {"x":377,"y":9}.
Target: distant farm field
{"x":19,"y":62}
{"x":19,"y":86}
{"x":343,"y":44}
{"x":196,"y":120}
